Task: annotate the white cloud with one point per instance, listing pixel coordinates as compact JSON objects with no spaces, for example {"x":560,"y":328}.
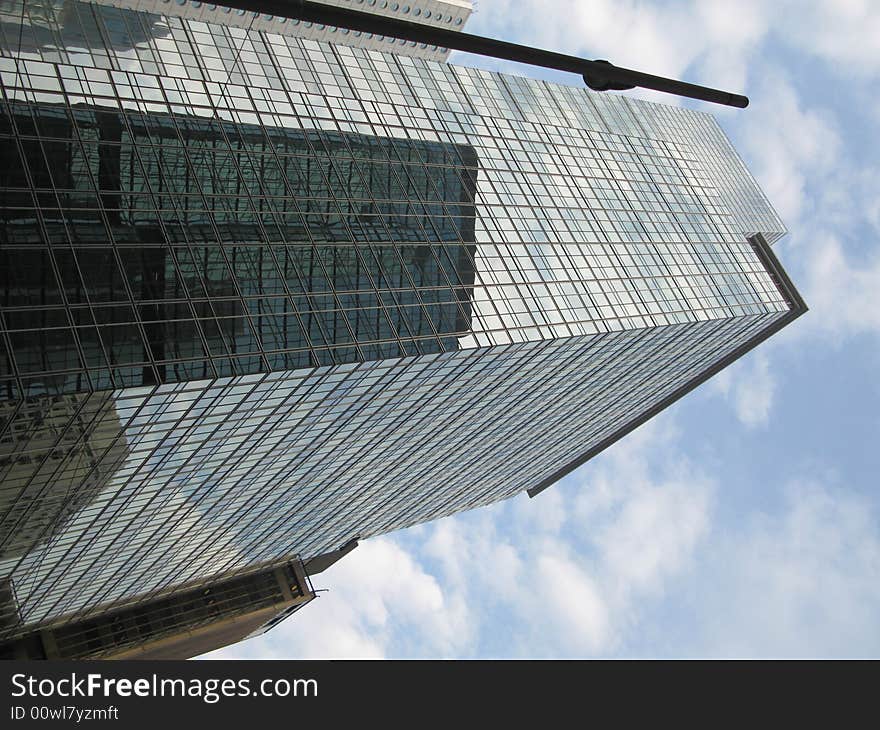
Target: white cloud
{"x":470,"y":554}
{"x":654,"y":533}
{"x":573,"y":604}
{"x":803,"y":582}
{"x":547,"y":514}
{"x":378,"y":595}
{"x":749,"y":385}
{"x":636,"y":34}
{"x":790,"y":145}
{"x":843,"y":33}
{"x":843,"y":289}
{"x":667,"y":39}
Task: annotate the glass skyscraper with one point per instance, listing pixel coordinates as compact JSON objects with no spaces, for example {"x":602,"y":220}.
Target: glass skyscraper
{"x":261,"y":296}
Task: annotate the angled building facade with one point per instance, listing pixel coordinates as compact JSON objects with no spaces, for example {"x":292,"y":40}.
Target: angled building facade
{"x":294,"y":294}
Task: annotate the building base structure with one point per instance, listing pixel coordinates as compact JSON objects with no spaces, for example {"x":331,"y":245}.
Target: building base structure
{"x":192,"y":620}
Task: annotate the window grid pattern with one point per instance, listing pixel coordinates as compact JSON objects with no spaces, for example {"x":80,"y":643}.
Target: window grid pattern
{"x":330,"y":292}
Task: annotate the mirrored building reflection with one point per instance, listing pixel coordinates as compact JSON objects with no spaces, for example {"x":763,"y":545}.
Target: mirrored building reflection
{"x":262,"y":297}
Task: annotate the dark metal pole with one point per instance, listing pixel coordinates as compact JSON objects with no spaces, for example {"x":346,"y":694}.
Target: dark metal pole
{"x":599,"y":75}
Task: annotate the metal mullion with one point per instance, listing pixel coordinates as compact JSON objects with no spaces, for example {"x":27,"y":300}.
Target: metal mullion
{"x":50,"y":246}
{"x":502,"y":436}
{"x":257,"y":215}
{"x":390,"y":244}
{"x":67,"y":552}
{"x":312,"y":317}
{"x":270,"y":248}
{"x":156,"y":198}
{"x":670,"y":159}
{"x":423,"y":167}
{"x":49,"y":481}
{"x":614,"y":397}
{"x":208,"y":538}
{"x":135,"y":307}
{"x":367,"y":178}
{"x":147,"y":504}
{"x":331,"y":247}
{"x":162,"y":228}
{"x":332,"y":202}
{"x":460,"y":244}
{"x":352,"y":170}
{"x":6,"y":332}
{"x":391,"y":374}
{"x":107,"y":506}
{"x":193,"y":173}
{"x":41,"y":224}
{"x":486,"y":393}
{"x":775,"y":323}
{"x":467,"y":362}
{"x":239,"y":183}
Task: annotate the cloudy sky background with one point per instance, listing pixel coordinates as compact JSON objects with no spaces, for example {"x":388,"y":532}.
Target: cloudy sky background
{"x":744,"y":520}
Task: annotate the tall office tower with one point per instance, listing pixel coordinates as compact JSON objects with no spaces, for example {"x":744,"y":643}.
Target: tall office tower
{"x":263,"y":297}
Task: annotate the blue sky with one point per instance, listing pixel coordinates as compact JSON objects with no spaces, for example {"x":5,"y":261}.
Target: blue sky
{"x":744,"y":520}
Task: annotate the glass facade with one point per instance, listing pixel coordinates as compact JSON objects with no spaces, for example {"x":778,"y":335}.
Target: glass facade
{"x":305,"y":276}
{"x":261,"y":295}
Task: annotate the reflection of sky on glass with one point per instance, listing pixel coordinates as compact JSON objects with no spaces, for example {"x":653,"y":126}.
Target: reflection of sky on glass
{"x":611,"y":266}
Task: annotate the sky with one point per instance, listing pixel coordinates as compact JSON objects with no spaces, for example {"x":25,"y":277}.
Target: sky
{"x":744,"y":521}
